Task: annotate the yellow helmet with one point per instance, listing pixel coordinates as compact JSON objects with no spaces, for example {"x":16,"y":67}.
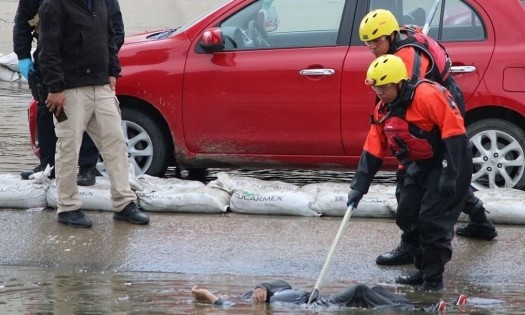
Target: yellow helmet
{"x":386,"y":69}
{"x":377,"y":23}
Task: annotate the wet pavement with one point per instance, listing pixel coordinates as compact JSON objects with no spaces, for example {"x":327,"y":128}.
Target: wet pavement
{"x":149,"y":269}
{"x":118,"y":268}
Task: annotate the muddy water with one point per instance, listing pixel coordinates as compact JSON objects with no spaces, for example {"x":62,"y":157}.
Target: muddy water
{"x":36,"y":291}
{"x":38,"y":279}
{"x":15,"y":150}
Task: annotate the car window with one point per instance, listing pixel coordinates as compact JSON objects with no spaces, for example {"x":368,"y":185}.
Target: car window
{"x":284,"y":24}
{"x":459,"y":22}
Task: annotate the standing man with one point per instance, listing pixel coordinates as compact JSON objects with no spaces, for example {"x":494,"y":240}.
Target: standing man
{"x":79,"y":64}
{"x":423,"y":58}
{"x":24,"y":31}
{"x":423,"y":127}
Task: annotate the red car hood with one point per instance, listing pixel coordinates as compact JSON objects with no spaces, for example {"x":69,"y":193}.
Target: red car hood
{"x":142,"y":37}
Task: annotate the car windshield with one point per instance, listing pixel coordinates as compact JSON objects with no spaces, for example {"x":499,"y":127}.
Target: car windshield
{"x":200,"y":17}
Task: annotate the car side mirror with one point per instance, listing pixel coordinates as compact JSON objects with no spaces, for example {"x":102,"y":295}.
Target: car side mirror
{"x":212,"y":40}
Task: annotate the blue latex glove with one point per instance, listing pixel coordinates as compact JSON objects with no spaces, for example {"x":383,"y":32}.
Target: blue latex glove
{"x":25,"y":66}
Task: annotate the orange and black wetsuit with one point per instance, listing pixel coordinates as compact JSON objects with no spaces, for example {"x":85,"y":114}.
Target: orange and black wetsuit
{"x":473,"y":205}
{"x":425,"y":216}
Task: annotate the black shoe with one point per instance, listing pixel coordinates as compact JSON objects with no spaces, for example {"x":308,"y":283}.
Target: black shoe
{"x":86,"y":175}
{"x":485,"y":232}
{"x":132,"y":214}
{"x":413,"y":279}
{"x":429,"y":286}
{"x":397,"y":256}
{"x":75,"y":218}
{"x":25,"y":174}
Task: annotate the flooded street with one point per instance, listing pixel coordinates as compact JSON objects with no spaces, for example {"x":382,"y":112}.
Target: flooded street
{"x":118,"y":268}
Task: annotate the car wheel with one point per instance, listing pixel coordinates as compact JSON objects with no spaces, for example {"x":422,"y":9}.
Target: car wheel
{"x":147,"y":149}
{"x":498,"y":152}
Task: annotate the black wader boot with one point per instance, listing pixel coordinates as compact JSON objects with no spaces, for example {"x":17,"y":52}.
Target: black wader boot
{"x":479,"y":226}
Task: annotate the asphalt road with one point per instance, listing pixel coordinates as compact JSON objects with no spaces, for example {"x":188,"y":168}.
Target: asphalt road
{"x":250,"y":245}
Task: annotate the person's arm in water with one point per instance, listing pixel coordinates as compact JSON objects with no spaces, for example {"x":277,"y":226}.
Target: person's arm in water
{"x":261,"y":294}
{"x":205,"y":296}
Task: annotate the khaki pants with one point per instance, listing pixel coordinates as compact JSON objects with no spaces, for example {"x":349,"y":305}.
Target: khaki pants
{"x":93,"y":109}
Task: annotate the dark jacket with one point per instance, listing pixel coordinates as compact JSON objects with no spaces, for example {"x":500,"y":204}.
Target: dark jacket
{"x":359,"y":295}
{"x":24,"y":33}
{"x":77,"y":45}
{"x":116,"y":22}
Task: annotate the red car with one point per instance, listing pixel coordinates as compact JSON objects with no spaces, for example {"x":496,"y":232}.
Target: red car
{"x":274,"y":84}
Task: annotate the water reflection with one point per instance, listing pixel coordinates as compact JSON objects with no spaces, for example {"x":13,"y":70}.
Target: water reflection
{"x":31,"y":291}
{"x":15,"y":150}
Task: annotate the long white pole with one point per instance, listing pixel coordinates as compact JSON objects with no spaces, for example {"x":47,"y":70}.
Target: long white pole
{"x":346,"y":218}
{"x":430,"y":16}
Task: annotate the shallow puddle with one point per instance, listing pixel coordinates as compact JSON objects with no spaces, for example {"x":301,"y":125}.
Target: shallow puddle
{"x":34,"y":291}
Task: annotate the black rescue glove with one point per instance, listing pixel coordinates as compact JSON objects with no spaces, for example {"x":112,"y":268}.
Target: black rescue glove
{"x":354,"y":196}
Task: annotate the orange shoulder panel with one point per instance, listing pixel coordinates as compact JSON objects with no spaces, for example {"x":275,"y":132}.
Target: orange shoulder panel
{"x":407,"y":55}
{"x":432,"y":107}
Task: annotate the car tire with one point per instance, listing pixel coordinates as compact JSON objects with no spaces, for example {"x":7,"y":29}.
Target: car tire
{"x":498,"y":152}
{"x":147,"y":147}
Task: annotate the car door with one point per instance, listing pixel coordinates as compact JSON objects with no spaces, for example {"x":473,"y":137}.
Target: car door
{"x":467,"y":33}
{"x":275,"y":88}
{"x":358,"y":100}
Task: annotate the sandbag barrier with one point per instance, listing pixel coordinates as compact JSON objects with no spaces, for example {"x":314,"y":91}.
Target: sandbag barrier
{"x":9,"y":67}
{"x":244,"y":195}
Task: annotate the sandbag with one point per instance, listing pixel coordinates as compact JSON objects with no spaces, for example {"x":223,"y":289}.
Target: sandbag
{"x":22,"y":194}
{"x":8,"y":75}
{"x":504,"y":205}
{"x":10,"y":61}
{"x":190,"y":199}
{"x":229,"y":183}
{"x":331,"y":200}
{"x":96,"y":197}
{"x":262,"y":200}
{"x":146,"y":183}
{"x":315,"y":188}
{"x":178,"y":195}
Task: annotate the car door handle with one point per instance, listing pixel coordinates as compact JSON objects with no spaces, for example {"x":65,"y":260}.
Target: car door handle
{"x":462,"y":69}
{"x":314,"y":72}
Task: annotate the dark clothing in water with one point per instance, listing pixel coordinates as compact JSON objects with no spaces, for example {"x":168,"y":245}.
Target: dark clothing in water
{"x":359,"y":295}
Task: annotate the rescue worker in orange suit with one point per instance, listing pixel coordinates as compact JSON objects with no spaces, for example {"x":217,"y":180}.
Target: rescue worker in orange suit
{"x":421,"y":125}
{"x":424,"y":58}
